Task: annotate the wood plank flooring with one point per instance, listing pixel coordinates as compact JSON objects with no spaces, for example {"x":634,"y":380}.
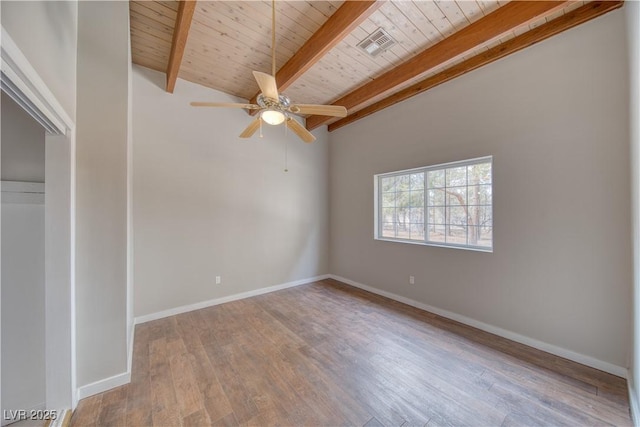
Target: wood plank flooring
{"x":327,"y":354}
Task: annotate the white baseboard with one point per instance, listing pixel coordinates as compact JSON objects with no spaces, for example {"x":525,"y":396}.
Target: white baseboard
{"x":204,"y":304}
{"x":549,"y":348}
{"x":633,"y":401}
{"x":131,"y":342}
{"x":104,"y":385}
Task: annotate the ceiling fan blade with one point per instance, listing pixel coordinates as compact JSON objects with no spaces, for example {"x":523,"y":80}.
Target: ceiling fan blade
{"x":225,"y":104}
{"x":320,"y":110}
{"x":300,"y":130}
{"x":251,"y":129}
{"x":267,"y":84}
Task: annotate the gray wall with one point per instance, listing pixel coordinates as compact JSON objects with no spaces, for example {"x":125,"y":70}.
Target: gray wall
{"x":22,"y":144}
{"x":101,"y":186}
{"x":207,"y":203}
{"x":554,"y":116}
{"x":632,"y":13}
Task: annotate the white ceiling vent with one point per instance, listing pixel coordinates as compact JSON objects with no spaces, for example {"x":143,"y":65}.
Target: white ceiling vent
{"x":377,"y":42}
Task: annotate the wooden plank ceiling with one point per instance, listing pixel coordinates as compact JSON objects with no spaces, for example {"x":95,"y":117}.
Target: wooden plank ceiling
{"x":219,"y":43}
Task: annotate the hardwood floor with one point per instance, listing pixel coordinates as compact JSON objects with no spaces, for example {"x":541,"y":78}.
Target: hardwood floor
{"x":327,"y":354}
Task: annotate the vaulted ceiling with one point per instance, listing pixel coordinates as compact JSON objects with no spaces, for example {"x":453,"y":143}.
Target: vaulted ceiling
{"x":219,"y":43}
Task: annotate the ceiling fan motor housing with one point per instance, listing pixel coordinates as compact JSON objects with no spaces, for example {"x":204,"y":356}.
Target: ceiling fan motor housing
{"x":282,"y":104}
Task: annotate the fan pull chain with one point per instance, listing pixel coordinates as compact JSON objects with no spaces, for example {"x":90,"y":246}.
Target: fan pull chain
{"x":286,"y":145}
{"x":286,"y":142}
{"x":260,"y":127}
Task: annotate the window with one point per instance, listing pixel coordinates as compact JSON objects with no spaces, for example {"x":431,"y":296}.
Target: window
{"x":442,"y":205}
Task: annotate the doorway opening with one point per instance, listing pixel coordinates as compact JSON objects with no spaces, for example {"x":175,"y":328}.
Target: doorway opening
{"x":22,"y":154}
{"x":55,"y":194}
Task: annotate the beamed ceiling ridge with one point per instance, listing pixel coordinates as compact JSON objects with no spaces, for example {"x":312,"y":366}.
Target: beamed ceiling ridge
{"x":219,"y":43}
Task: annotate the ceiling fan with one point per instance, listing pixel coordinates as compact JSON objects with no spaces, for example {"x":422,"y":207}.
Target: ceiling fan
{"x":275,"y":108}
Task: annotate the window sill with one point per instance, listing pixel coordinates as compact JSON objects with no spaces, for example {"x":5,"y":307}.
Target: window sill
{"x":438,"y":245}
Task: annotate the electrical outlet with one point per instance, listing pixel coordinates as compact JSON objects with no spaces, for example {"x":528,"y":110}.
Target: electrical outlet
{"x":218,"y":280}
{"x":412,"y":280}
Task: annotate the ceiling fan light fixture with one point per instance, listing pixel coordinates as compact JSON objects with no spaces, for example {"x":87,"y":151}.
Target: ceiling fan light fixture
{"x":272,"y":117}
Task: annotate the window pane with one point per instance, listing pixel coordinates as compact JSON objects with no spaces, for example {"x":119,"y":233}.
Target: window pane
{"x":417,"y":181}
{"x":404,"y":182}
{"x":402,"y":216}
{"x":479,"y":173}
{"x":388,"y":200}
{"x":479,"y":194}
{"x":436,"y":215}
{"x":435,"y":198}
{"x":388,"y":215}
{"x":416,"y":215}
{"x":483,"y":216}
{"x":480,"y":236}
{"x":473,"y":195}
{"x":436,"y":233}
{"x":486,"y":195}
{"x":456,"y":215}
{"x":456,"y":176}
{"x":417,"y":198}
{"x":457,"y":234}
{"x":417,"y":231}
{"x":403,"y":199}
{"x":475,"y":215}
{"x":457,"y":196}
{"x":388,"y":230}
{"x":435,"y":179}
{"x":403,"y":230}
{"x":388,"y":184}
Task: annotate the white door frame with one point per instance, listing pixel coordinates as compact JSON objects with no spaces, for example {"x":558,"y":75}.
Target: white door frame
{"x":60,"y":178}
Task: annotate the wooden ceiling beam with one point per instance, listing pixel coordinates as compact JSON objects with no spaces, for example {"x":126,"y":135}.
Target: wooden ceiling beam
{"x":576,"y":17}
{"x":186,"y":8}
{"x":502,"y":20}
{"x":339,"y":25}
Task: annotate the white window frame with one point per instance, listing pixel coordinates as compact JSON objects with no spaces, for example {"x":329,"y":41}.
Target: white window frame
{"x":442,"y":166}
